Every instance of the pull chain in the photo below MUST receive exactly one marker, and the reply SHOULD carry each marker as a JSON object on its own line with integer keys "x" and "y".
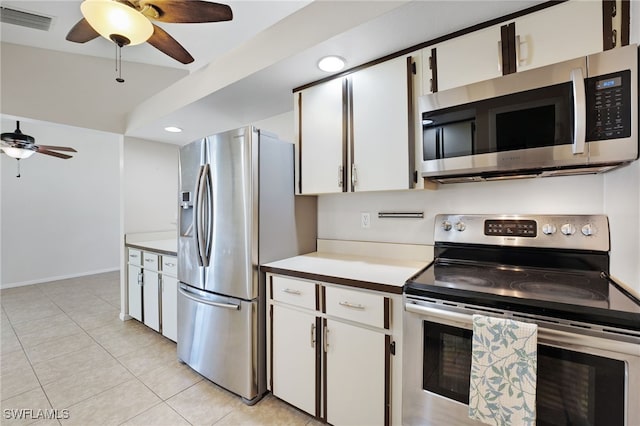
{"x": 18, "y": 160}
{"x": 119, "y": 79}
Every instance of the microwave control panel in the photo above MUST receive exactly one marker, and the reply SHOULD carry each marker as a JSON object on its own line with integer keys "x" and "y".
{"x": 609, "y": 106}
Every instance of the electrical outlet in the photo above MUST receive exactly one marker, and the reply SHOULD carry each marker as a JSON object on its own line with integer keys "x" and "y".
{"x": 365, "y": 220}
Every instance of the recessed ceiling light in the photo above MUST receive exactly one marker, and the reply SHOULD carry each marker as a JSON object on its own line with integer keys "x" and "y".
{"x": 173, "y": 129}
{"x": 331, "y": 63}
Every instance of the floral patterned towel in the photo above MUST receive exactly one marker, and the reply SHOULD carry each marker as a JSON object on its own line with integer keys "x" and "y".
{"x": 502, "y": 389}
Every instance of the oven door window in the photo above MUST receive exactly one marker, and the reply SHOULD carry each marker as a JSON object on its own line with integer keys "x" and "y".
{"x": 573, "y": 388}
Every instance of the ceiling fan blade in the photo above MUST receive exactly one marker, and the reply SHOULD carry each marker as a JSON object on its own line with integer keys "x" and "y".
{"x": 192, "y": 11}
{"x": 57, "y": 148}
{"x": 82, "y": 32}
{"x": 162, "y": 41}
{"x": 53, "y": 154}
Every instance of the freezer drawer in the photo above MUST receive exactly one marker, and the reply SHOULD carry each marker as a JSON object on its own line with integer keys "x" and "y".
{"x": 218, "y": 337}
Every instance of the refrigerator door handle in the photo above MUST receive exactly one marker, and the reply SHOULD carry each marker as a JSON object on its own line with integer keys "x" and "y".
{"x": 200, "y": 216}
{"x": 198, "y": 299}
{"x": 209, "y": 209}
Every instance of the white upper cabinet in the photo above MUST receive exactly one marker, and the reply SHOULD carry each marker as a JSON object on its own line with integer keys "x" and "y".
{"x": 463, "y": 60}
{"x": 352, "y": 133}
{"x": 565, "y": 31}
{"x": 380, "y": 153}
{"x": 321, "y": 138}
{"x": 561, "y": 32}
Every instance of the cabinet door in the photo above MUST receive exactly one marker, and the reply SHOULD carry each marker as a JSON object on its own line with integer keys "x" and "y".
{"x": 134, "y": 291}
{"x": 170, "y": 307}
{"x": 321, "y": 138}
{"x": 561, "y": 32}
{"x": 151, "y": 300}
{"x": 355, "y": 369}
{"x": 379, "y": 96}
{"x": 463, "y": 60}
{"x": 293, "y": 357}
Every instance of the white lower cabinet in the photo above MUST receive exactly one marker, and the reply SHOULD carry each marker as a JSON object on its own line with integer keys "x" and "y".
{"x": 151, "y": 299}
{"x": 332, "y": 357}
{"x": 293, "y": 367}
{"x": 152, "y": 290}
{"x": 170, "y": 307}
{"x": 355, "y": 371}
{"x": 134, "y": 291}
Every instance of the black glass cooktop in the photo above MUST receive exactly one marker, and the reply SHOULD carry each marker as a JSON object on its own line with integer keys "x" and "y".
{"x": 581, "y": 295}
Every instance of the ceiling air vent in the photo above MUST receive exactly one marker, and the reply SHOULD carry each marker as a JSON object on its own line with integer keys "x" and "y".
{"x": 24, "y": 19}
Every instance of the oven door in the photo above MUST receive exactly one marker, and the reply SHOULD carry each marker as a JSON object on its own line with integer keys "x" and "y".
{"x": 582, "y": 380}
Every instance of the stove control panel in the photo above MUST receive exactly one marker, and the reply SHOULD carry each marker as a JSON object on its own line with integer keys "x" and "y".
{"x": 582, "y": 232}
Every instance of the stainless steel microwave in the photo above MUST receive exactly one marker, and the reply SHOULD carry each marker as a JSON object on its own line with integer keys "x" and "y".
{"x": 573, "y": 117}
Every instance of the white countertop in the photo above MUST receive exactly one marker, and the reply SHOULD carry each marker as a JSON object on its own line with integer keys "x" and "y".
{"x": 391, "y": 272}
{"x": 169, "y": 246}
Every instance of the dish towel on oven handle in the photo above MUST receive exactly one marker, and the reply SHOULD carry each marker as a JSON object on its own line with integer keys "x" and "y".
{"x": 502, "y": 389}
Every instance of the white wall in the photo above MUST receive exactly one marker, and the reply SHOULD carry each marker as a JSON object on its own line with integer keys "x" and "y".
{"x": 62, "y": 217}
{"x": 150, "y": 185}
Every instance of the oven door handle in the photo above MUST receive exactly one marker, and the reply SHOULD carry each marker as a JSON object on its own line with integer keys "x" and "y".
{"x": 545, "y": 335}
{"x": 464, "y": 319}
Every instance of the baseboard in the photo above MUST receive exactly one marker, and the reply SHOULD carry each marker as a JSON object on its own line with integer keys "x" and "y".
{"x": 57, "y": 278}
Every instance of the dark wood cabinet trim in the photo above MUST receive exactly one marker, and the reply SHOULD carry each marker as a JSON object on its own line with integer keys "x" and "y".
{"x": 625, "y": 20}
{"x": 318, "y": 297}
{"x": 437, "y": 40}
{"x": 387, "y": 313}
{"x": 433, "y": 66}
{"x": 319, "y": 370}
{"x": 411, "y": 71}
{"x": 271, "y": 349}
{"x": 345, "y": 132}
{"x": 271, "y": 287}
{"x": 300, "y": 143}
{"x": 387, "y": 288}
{"x": 387, "y": 380}
{"x": 608, "y": 8}
{"x": 352, "y": 152}
{"x": 323, "y": 299}
{"x": 324, "y": 374}
{"x": 508, "y": 48}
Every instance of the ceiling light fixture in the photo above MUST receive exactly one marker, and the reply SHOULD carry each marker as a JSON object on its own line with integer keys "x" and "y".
{"x": 331, "y": 63}
{"x": 115, "y": 21}
{"x": 18, "y": 153}
{"x": 173, "y": 129}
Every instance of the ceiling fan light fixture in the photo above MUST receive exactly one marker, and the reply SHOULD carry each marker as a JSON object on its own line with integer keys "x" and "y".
{"x": 18, "y": 153}
{"x": 117, "y": 22}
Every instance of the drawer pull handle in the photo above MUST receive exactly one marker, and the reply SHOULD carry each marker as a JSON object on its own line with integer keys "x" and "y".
{"x": 148, "y": 259}
{"x": 133, "y": 255}
{"x": 171, "y": 265}
{"x": 352, "y": 305}
{"x": 291, "y": 291}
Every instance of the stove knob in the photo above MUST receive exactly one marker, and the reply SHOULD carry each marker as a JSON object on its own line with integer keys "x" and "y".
{"x": 549, "y": 229}
{"x": 568, "y": 229}
{"x": 460, "y": 226}
{"x": 446, "y": 225}
{"x": 588, "y": 230}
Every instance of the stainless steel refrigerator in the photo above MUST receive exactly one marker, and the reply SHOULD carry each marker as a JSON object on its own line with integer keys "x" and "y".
{"x": 237, "y": 210}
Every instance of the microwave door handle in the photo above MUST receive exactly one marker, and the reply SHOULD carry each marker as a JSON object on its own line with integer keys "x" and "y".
{"x": 579, "y": 111}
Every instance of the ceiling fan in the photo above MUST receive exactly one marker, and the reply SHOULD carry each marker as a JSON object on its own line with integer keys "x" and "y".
{"x": 128, "y": 22}
{"x": 18, "y": 145}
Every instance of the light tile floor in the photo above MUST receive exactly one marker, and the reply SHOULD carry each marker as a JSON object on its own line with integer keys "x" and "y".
{"x": 66, "y": 354}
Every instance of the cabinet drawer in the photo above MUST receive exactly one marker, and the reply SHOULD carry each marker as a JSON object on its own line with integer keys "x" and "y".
{"x": 135, "y": 257}
{"x": 294, "y": 292}
{"x": 150, "y": 261}
{"x": 170, "y": 266}
{"x": 367, "y": 308}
